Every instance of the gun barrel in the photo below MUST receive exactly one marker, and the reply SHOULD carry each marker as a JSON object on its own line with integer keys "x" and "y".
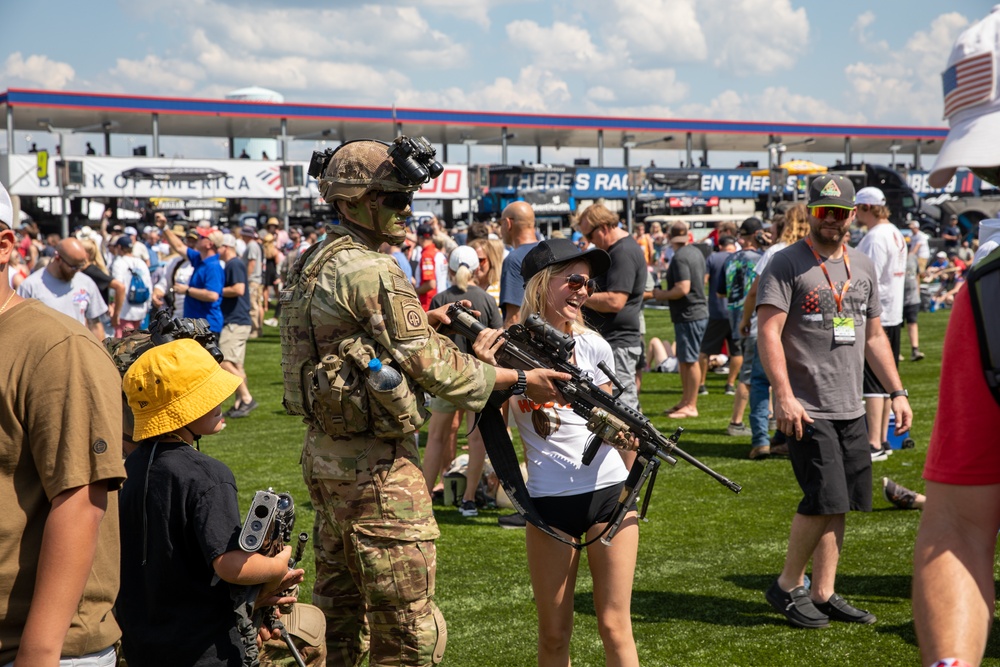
{"x": 721, "y": 479}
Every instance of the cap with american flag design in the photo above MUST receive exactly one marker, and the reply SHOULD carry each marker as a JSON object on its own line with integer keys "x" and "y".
{"x": 971, "y": 101}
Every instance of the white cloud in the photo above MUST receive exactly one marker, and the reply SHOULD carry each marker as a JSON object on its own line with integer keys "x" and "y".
{"x": 648, "y": 86}
{"x": 755, "y": 36}
{"x": 661, "y": 29}
{"x": 477, "y": 11}
{"x": 35, "y": 71}
{"x": 861, "y": 30}
{"x": 905, "y": 87}
{"x": 153, "y": 73}
{"x": 601, "y": 94}
{"x": 775, "y": 103}
{"x": 562, "y": 47}
{"x": 536, "y": 90}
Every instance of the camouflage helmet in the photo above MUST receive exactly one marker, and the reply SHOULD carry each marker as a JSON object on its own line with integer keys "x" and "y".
{"x": 359, "y": 167}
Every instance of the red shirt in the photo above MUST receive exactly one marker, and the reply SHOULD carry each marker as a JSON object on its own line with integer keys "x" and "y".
{"x": 965, "y": 445}
{"x": 427, "y": 271}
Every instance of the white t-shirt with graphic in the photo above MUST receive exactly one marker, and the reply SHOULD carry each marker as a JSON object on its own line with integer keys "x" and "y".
{"x": 886, "y": 247}
{"x": 555, "y": 436}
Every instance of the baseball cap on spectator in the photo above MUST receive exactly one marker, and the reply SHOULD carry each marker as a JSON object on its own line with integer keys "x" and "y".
{"x": 116, "y": 229}
{"x": 557, "y": 251}
{"x": 192, "y": 234}
{"x": 6, "y": 208}
{"x": 207, "y": 233}
{"x": 941, "y": 254}
{"x": 249, "y": 231}
{"x": 228, "y": 240}
{"x": 273, "y": 221}
{"x": 831, "y": 190}
{"x": 131, "y": 231}
{"x": 751, "y": 226}
{"x": 148, "y": 229}
{"x": 425, "y": 231}
{"x": 179, "y": 229}
{"x": 461, "y": 227}
{"x": 871, "y": 196}
{"x": 971, "y": 102}
{"x": 289, "y": 246}
{"x": 123, "y": 241}
{"x": 463, "y": 255}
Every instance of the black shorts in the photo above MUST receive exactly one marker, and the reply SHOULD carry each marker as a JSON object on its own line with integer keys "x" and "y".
{"x": 871, "y": 385}
{"x": 717, "y": 332}
{"x": 574, "y": 515}
{"x": 910, "y": 313}
{"x": 833, "y": 467}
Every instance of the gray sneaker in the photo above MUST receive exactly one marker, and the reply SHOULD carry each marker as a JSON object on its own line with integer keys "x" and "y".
{"x": 737, "y": 430}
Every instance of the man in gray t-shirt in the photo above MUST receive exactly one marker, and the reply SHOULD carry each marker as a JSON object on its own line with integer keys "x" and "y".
{"x": 253, "y": 257}
{"x": 819, "y": 318}
{"x": 61, "y": 286}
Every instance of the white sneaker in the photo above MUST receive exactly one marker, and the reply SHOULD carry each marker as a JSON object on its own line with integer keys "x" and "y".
{"x": 737, "y": 430}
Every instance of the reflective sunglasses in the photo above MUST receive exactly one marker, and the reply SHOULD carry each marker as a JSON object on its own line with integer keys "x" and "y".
{"x": 576, "y": 281}
{"x": 822, "y": 212}
{"x": 397, "y": 201}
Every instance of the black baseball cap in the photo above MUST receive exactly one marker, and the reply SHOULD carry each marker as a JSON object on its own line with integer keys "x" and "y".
{"x": 123, "y": 241}
{"x": 425, "y": 230}
{"x": 751, "y": 226}
{"x": 557, "y": 251}
{"x": 831, "y": 190}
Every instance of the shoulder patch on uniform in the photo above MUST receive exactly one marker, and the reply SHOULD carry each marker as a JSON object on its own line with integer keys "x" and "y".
{"x": 405, "y": 317}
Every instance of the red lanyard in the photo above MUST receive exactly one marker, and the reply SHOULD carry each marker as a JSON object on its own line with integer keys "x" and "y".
{"x": 838, "y": 298}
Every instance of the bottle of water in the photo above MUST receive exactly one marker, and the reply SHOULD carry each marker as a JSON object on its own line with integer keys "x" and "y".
{"x": 382, "y": 378}
{"x": 806, "y": 582}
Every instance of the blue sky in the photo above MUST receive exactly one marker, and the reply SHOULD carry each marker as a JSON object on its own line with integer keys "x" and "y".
{"x": 782, "y": 60}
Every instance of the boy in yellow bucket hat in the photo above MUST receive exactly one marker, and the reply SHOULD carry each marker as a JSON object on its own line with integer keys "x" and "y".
{"x": 180, "y": 519}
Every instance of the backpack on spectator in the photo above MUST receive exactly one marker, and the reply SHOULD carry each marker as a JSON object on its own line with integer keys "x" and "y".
{"x": 984, "y": 285}
{"x": 138, "y": 291}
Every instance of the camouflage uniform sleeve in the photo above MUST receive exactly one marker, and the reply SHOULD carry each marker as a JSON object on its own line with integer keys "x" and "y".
{"x": 372, "y": 288}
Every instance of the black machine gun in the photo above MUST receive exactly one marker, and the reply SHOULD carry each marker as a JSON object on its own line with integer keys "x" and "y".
{"x": 268, "y": 527}
{"x": 536, "y": 344}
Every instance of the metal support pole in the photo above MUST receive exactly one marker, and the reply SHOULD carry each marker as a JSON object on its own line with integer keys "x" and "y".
{"x": 447, "y": 205}
{"x": 107, "y": 142}
{"x": 286, "y": 213}
{"x": 600, "y": 148}
{"x": 156, "y": 135}
{"x": 10, "y": 130}
{"x": 628, "y": 190}
{"x": 503, "y": 145}
{"x": 284, "y": 140}
{"x": 468, "y": 169}
{"x": 848, "y": 156}
{"x": 689, "y": 147}
{"x": 538, "y": 154}
{"x": 916, "y": 157}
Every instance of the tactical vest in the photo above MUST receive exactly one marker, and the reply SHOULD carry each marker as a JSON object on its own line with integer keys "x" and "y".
{"x": 331, "y": 392}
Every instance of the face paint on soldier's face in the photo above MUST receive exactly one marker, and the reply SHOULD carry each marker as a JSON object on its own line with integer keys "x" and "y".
{"x": 392, "y": 223}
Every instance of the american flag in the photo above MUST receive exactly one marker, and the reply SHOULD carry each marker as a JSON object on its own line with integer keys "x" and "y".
{"x": 968, "y": 83}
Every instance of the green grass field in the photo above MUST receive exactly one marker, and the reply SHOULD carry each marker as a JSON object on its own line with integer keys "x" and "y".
{"x": 705, "y": 556}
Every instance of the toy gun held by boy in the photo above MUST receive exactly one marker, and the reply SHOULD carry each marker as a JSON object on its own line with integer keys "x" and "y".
{"x": 536, "y": 344}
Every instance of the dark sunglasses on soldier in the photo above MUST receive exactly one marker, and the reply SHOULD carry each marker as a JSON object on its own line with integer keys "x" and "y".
{"x": 397, "y": 201}
{"x": 576, "y": 281}
{"x": 822, "y": 212}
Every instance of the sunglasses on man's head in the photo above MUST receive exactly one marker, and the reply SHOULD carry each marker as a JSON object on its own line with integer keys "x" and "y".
{"x": 576, "y": 281}
{"x": 823, "y": 212}
{"x": 397, "y": 201}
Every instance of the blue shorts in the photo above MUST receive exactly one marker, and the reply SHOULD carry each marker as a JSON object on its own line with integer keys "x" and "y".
{"x": 689, "y": 335}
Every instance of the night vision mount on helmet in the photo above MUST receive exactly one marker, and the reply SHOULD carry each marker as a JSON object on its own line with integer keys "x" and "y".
{"x": 358, "y": 167}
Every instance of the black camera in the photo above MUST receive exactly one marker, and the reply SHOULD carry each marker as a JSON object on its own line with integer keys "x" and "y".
{"x": 318, "y": 162}
{"x": 163, "y": 328}
{"x": 414, "y": 160}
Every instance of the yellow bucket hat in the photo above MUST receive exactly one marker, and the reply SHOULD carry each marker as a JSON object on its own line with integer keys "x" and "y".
{"x": 172, "y": 385}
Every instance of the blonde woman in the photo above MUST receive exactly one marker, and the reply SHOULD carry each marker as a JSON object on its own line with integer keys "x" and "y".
{"x": 98, "y": 272}
{"x": 575, "y": 499}
{"x": 487, "y": 276}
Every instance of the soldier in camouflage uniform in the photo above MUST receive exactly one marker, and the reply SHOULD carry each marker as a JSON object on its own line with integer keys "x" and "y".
{"x": 346, "y": 303}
